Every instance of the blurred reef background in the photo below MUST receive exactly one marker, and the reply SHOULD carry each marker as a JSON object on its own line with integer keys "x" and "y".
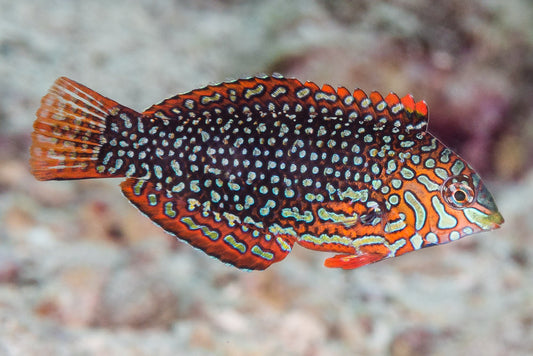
{"x": 83, "y": 273}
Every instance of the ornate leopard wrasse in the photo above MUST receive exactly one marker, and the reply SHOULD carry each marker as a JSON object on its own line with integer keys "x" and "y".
{"x": 243, "y": 170}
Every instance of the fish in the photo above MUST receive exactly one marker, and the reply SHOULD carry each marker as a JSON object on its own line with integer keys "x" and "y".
{"x": 245, "y": 169}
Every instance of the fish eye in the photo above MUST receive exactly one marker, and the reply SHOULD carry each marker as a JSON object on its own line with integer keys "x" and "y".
{"x": 458, "y": 191}
{"x": 459, "y": 195}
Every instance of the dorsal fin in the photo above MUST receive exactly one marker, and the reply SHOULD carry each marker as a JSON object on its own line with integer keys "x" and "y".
{"x": 273, "y": 93}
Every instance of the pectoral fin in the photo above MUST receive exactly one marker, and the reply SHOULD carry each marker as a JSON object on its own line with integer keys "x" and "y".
{"x": 352, "y": 261}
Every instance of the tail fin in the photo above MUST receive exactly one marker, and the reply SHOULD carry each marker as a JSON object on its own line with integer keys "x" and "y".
{"x": 69, "y": 132}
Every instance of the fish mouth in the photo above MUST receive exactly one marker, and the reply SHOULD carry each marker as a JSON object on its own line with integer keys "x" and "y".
{"x": 485, "y": 221}
{"x": 490, "y": 219}
{"x": 495, "y": 220}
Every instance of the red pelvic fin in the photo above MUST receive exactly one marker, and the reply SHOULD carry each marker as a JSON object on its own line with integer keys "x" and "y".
{"x": 68, "y": 132}
{"x": 222, "y": 236}
{"x": 352, "y": 261}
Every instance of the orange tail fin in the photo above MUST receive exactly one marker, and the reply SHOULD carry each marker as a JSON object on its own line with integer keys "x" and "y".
{"x": 69, "y": 132}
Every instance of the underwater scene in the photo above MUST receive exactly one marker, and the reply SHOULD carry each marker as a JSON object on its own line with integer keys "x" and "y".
{"x": 271, "y": 171}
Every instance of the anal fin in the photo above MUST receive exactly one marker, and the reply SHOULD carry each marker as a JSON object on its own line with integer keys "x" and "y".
{"x": 220, "y": 235}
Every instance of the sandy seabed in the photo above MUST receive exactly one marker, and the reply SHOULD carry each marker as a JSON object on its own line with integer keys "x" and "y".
{"x": 83, "y": 273}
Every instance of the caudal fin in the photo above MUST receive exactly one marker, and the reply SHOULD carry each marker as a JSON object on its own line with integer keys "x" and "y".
{"x": 68, "y": 132}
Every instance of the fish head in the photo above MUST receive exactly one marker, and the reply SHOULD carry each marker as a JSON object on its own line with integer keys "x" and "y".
{"x": 469, "y": 197}
{"x": 444, "y": 199}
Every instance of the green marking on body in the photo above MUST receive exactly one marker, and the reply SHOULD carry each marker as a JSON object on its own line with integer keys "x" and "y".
{"x": 326, "y": 239}
{"x": 407, "y": 173}
{"x": 213, "y": 235}
{"x": 429, "y": 163}
{"x": 193, "y": 204}
{"x": 394, "y": 199}
{"x": 283, "y": 244}
{"x": 169, "y": 210}
{"x": 195, "y": 186}
{"x": 303, "y": 93}
{"x": 347, "y": 221}
{"x": 137, "y": 188}
{"x": 152, "y": 199}
{"x": 430, "y": 185}
{"x": 457, "y": 167}
{"x": 418, "y": 209}
{"x": 446, "y": 221}
{"x": 278, "y": 91}
{"x": 294, "y": 213}
{"x": 234, "y": 186}
{"x": 210, "y": 99}
{"x": 277, "y": 229}
{"x": 325, "y": 96}
{"x": 441, "y": 173}
{"x": 368, "y": 240}
{"x": 416, "y": 241}
{"x": 359, "y": 195}
{"x": 249, "y": 220}
{"x": 396, "y": 183}
{"x": 330, "y": 188}
{"x": 254, "y": 91}
{"x": 231, "y": 218}
{"x": 479, "y": 218}
{"x": 395, "y": 246}
{"x": 395, "y": 225}
{"x": 239, "y": 246}
{"x": 445, "y": 155}
{"x": 256, "y": 250}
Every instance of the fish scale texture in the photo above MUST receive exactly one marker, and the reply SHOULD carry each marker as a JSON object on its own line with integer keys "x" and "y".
{"x": 244, "y": 170}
